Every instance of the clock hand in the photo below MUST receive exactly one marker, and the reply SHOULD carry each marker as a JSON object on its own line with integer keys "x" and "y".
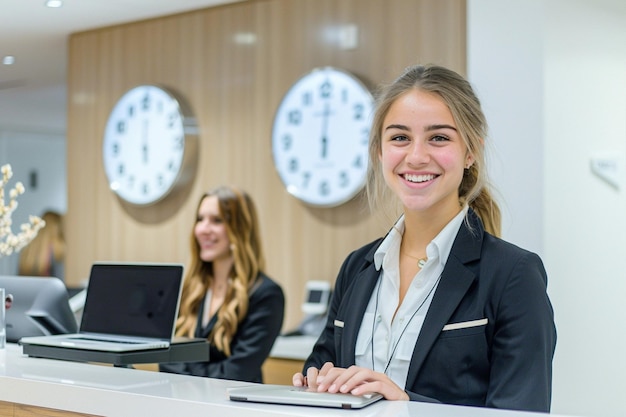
{"x": 325, "y": 115}
{"x": 144, "y": 136}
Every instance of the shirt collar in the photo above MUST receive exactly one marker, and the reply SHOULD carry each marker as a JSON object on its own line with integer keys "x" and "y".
{"x": 439, "y": 248}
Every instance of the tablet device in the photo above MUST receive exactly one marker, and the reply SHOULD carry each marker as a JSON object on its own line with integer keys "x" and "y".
{"x": 290, "y": 395}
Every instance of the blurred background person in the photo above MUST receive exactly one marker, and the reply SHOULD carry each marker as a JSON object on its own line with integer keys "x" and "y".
{"x": 227, "y": 298}
{"x": 45, "y": 255}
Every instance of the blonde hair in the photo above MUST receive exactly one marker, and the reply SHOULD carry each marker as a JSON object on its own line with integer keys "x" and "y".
{"x": 239, "y": 214}
{"x": 37, "y": 257}
{"x": 465, "y": 107}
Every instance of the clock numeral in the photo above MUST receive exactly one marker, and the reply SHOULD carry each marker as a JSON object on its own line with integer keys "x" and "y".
{"x": 172, "y": 166}
{"x": 171, "y": 120}
{"x": 145, "y": 103}
{"x": 115, "y": 148}
{"x": 344, "y": 180}
{"x": 358, "y": 162}
{"x": 160, "y": 180}
{"x": 121, "y": 127}
{"x": 131, "y": 181}
{"x": 131, "y": 111}
{"x": 294, "y": 117}
{"x": 179, "y": 142}
{"x": 293, "y": 165}
{"x": 287, "y": 142}
{"x": 145, "y": 188}
{"x": 324, "y": 188}
{"x": 359, "y": 110}
{"x": 306, "y": 177}
{"x": 344, "y": 95}
{"x": 366, "y": 136}
{"x": 326, "y": 89}
{"x": 121, "y": 170}
{"x": 307, "y": 98}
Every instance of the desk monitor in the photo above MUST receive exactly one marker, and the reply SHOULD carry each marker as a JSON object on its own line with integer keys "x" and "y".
{"x": 40, "y": 307}
{"x": 317, "y": 296}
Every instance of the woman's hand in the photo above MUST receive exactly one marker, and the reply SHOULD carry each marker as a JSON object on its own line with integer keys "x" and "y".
{"x": 312, "y": 376}
{"x": 353, "y": 380}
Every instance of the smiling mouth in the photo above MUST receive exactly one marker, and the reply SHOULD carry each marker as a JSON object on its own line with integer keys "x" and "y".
{"x": 419, "y": 178}
{"x": 207, "y": 244}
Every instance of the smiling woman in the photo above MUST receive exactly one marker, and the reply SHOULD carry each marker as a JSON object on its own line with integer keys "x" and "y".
{"x": 451, "y": 328}
{"x": 227, "y": 298}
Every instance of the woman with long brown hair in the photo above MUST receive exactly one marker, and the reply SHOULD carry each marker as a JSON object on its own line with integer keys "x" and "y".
{"x": 227, "y": 298}
{"x": 44, "y": 256}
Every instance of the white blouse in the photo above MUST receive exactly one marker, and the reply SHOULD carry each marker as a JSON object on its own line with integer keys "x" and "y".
{"x": 387, "y": 345}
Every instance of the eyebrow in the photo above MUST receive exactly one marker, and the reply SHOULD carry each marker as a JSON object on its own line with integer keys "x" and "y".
{"x": 442, "y": 126}
{"x": 401, "y": 127}
{"x": 428, "y": 128}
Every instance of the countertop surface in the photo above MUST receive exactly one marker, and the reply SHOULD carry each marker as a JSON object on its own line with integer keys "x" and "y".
{"x": 114, "y": 391}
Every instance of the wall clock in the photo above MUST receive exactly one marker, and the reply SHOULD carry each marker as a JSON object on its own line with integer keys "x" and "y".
{"x": 149, "y": 145}
{"x": 320, "y": 137}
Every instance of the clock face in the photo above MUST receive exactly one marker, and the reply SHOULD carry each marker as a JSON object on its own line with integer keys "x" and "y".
{"x": 320, "y": 137}
{"x": 144, "y": 145}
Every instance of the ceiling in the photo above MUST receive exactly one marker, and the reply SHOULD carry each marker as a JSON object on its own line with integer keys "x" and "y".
{"x": 33, "y": 89}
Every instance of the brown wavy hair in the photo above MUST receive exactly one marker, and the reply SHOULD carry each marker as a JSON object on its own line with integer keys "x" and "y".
{"x": 240, "y": 217}
{"x": 49, "y": 244}
{"x": 464, "y": 105}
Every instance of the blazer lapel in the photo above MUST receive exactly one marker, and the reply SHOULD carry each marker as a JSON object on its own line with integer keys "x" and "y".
{"x": 456, "y": 279}
{"x": 356, "y": 300}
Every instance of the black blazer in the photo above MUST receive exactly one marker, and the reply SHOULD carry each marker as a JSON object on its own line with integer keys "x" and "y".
{"x": 252, "y": 342}
{"x": 505, "y": 363}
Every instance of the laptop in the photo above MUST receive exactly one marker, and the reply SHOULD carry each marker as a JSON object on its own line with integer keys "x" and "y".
{"x": 290, "y": 395}
{"x": 128, "y": 307}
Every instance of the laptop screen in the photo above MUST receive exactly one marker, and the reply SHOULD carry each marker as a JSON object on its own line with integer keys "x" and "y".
{"x": 132, "y": 299}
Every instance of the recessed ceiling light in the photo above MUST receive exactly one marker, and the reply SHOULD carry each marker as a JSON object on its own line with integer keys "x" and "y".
{"x": 54, "y": 3}
{"x": 8, "y": 60}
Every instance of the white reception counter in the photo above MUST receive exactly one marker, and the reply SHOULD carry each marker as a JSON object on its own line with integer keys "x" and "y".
{"x": 121, "y": 392}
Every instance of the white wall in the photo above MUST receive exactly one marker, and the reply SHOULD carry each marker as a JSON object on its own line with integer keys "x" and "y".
{"x": 552, "y": 76}
{"x": 505, "y": 65}
{"x": 43, "y": 155}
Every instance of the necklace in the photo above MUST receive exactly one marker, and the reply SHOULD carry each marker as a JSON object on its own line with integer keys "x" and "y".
{"x": 420, "y": 261}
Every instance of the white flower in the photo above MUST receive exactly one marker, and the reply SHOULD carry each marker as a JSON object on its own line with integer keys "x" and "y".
{"x": 10, "y": 242}
{"x": 6, "y": 171}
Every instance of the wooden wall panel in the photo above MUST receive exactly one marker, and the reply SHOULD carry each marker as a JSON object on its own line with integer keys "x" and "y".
{"x": 234, "y": 90}
{"x": 9, "y": 409}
